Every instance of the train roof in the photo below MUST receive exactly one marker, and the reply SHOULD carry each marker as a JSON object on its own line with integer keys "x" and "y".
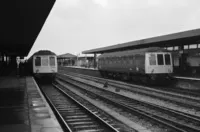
{"x": 44, "y": 52}
{"x": 131, "y": 52}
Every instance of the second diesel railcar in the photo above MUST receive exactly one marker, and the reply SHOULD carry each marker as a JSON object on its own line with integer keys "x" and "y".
{"x": 43, "y": 64}
{"x": 149, "y": 64}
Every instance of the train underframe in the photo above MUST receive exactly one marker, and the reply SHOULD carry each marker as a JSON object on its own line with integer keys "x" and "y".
{"x": 138, "y": 77}
{"x": 45, "y": 76}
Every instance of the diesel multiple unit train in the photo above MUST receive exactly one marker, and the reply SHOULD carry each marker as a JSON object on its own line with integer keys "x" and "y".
{"x": 147, "y": 65}
{"x": 43, "y": 64}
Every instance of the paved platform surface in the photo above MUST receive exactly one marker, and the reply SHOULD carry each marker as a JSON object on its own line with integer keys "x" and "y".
{"x": 23, "y": 108}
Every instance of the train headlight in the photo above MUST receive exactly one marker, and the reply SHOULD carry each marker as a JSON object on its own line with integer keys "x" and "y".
{"x": 37, "y": 71}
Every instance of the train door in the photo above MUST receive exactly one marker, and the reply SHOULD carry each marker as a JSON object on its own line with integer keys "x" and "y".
{"x": 150, "y": 62}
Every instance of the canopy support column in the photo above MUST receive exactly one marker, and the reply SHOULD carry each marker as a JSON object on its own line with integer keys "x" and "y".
{"x": 95, "y": 63}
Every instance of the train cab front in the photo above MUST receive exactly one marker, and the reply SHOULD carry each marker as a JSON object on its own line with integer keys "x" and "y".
{"x": 159, "y": 66}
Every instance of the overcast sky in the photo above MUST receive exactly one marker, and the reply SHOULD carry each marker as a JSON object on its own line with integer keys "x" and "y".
{"x": 77, "y": 25}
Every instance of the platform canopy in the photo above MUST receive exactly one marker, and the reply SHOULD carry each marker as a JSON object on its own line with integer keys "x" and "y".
{"x": 21, "y": 22}
{"x": 175, "y": 39}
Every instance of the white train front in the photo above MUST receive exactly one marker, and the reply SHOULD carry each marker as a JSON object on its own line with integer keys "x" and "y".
{"x": 44, "y": 63}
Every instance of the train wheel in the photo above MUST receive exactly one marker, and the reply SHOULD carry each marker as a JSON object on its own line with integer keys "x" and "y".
{"x": 135, "y": 78}
{"x": 124, "y": 76}
{"x": 152, "y": 79}
{"x": 144, "y": 79}
{"x": 103, "y": 73}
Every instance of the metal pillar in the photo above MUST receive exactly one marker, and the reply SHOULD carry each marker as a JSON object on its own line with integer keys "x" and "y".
{"x": 182, "y": 59}
{"x": 95, "y": 63}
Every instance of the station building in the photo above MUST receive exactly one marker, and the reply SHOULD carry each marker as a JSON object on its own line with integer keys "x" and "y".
{"x": 73, "y": 60}
{"x": 66, "y": 59}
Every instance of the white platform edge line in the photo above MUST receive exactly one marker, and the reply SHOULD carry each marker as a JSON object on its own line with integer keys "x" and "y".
{"x": 189, "y": 78}
{"x": 47, "y": 105}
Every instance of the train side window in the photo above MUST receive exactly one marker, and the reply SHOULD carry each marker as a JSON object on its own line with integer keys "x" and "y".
{"x": 130, "y": 59}
{"x": 124, "y": 59}
{"x": 160, "y": 59}
{"x": 38, "y": 61}
{"x": 52, "y": 61}
{"x": 102, "y": 61}
{"x": 118, "y": 60}
{"x": 167, "y": 59}
{"x": 110, "y": 60}
{"x": 106, "y": 61}
{"x": 114, "y": 59}
{"x": 152, "y": 59}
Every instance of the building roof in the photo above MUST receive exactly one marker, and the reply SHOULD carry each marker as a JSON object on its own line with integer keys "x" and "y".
{"x": 180, "y": 38}
{"x": 67, "y": 55}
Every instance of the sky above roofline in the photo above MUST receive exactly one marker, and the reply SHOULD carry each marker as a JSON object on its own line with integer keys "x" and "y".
{"x": 74, "y": 26}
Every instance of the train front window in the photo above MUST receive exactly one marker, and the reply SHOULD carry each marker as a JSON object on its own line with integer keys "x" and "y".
{"x": 160, "y": 59}
{"x": 167, "y": 59}
{"x": 45, "y": 61}
{"x": 38, "y": 61}
{"x": 52, "y": 61}
{"x": 152, "y": 59}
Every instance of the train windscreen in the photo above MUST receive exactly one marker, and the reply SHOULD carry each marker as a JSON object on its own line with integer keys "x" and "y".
{"x": 52, "y": 61}
{"x": 160, "y": 59}
{"x": 45, "y": 61}
{"x": 167, "y": 59}
{"x": 38, "y": 61}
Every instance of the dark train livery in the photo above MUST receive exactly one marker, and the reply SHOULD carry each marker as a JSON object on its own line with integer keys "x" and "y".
{"x": 43, "y": 64}
{"x": 149, "y": 64}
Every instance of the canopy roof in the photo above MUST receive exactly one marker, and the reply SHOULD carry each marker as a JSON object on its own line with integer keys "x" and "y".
{"x": 175, "y": 39}
{"x": 21, "y": 22}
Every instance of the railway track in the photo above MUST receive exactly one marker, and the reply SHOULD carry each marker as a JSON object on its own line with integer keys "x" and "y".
{"x": 185, "y": 101}
{"x": 74, "y": 116}
{"x": 167, "y": 89}
{"x": 177, "y": 121}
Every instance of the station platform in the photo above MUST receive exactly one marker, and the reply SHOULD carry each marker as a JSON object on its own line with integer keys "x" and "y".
{"x": 23, "y": 108}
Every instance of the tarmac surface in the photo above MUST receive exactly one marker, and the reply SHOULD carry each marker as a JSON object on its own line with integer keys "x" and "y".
{"x": 23, "y": 108}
